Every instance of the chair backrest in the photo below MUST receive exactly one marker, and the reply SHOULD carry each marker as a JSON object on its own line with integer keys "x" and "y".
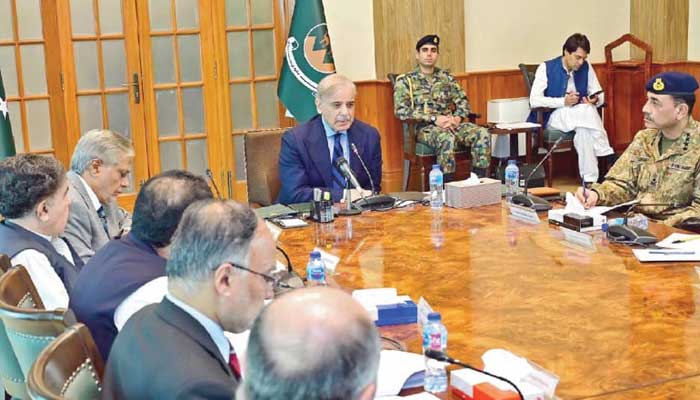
{"x": 28, "y": 325}
{"x": 69, "y": 368}
{"x": 528, "y": 71}
{"x": 11, "y": 375}
{"x": 5, "y": 263}
{"x": 262, "y": 151}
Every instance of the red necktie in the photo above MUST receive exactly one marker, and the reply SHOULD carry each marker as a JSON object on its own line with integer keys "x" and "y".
{"x": 233, "y": 363}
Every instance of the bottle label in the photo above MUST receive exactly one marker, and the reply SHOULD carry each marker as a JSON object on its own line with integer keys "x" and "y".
{"x": 436, "y": 341}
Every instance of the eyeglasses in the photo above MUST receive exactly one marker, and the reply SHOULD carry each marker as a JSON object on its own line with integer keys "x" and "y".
{"x": 275, "y": 282}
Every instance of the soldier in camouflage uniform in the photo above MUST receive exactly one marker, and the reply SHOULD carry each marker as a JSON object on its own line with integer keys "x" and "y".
{"x": 662, "y": 164}
{"x": 434, "y": 99}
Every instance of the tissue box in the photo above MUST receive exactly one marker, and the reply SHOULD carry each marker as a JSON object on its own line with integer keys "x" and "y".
{"x": 472, "y": 385}
{"x": 461, "y": 195}
{"x": 397, "y": 314}
{"x": 508, "y": 110}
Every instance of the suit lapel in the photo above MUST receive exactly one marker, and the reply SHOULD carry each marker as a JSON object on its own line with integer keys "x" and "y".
{"x": 79, "y": 187}
{"x": 183, "y": 321}
{"x": 317, "y": 146}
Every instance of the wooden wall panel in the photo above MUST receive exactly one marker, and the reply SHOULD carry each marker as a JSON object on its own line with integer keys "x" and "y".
{"x": 664, "y": 25}
{"x": 398, "y": 24}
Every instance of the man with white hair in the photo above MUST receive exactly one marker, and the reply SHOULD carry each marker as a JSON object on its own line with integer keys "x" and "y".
{"x": 99, "y": 172}
{"x": 310, "y": 150}
{"x": 284, "y": 361}
{"x": 218, "y": 280}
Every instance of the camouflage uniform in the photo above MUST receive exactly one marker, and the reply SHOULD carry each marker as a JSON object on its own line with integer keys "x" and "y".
{"x": 642, "y": 173}
{"x": 418, "y": 97}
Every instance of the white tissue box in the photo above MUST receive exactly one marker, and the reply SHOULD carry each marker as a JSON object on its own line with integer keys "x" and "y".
{"x": 508, "y": 110}
{"x": 461, "y": 194}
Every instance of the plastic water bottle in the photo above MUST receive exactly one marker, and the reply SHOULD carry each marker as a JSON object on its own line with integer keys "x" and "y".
{"x": 315, "y": 270}
{"x": 638, "y": 220}
{"x": 435, "y": 338}
{"x": 436, "y": 187}
{"x": 512, "y": 176}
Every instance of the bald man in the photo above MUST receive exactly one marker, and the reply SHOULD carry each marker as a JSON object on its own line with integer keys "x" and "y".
{"x": 284, "y": 360}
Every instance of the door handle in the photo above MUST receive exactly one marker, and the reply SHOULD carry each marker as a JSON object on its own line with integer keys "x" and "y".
{"x": 135, "y": 85}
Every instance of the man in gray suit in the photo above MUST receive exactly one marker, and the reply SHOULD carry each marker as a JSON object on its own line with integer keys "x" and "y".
{"x": 100, "y": 169}
{"x": 218, "y": 280}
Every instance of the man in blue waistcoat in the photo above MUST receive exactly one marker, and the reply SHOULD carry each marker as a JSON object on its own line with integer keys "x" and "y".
{"x": 570, "y": 86}
{"x": 129, "y": 273}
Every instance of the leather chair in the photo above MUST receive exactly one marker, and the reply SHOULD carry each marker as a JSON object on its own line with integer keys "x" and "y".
{"x": 416, "y": 152}
{"x": 5, "y": 263}
{"x": 262, "y": 151}
{"x": 70, "y": 368}
{"x": 11, "y": 374}
{"x": 29, "y": 327}
{"x": 546, "y": 137}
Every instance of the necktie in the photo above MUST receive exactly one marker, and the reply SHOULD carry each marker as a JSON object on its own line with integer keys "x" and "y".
{"x": 103, "y": 217}
{"x": 234, "y": 364}
{"x": 338, "y": 179}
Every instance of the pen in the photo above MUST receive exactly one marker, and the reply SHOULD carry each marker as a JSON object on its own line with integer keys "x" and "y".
{"x": 583, "y": 186}
{"x": 690, "y": 239}
{"x": 672, "y": 252}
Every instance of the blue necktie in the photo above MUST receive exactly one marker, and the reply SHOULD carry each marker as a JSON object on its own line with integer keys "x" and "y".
{"x": 338, "y": 178}
{"x": 103, "y": 218}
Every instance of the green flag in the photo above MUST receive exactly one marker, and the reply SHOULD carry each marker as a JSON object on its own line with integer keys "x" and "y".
{"x": 307, "y": 59}
{"x": 7, "y": 142}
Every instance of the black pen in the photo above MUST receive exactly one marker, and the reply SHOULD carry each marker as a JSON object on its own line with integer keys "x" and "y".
{"x": 672, "y": 252}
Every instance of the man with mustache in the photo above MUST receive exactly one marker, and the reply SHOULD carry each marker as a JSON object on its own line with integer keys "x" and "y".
{"x": 309, "y": 150}
{"x": 569, "y": 85}
{"x": 662, "y": 164}
{"x": 434, "y": 99}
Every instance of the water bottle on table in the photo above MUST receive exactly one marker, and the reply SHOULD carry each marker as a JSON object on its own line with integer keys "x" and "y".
{"x": 436, "y": 187}
{"x": 512, "y": 174}
{"x": 435, "y": 338}
{"x": 315, "y": 270}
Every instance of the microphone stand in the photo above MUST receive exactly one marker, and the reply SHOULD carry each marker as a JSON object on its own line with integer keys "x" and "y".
{"x": 531, "y": 201}
{"x": 348, "y": 210}
{"x": 375, "y": 201}
{"x": 440, "y": 356}
{"x": 633, "y": 234}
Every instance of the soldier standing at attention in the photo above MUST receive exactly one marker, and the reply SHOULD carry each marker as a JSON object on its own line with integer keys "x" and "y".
{"x": 433, "y": 98}
{"x": 662, "y": 164}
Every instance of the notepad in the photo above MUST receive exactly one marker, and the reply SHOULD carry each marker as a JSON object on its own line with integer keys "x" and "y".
{"x": 666, "y": 255}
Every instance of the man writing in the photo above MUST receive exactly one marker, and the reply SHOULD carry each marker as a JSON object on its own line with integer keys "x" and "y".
{"x": 433, "y": 98}
{"x": 569, "y": 85}
{"x": 310, "y": 150}
{"x": 662, "y": 164}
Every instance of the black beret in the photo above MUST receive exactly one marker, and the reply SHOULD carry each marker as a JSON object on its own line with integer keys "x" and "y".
{"x": 428, "y": 39}
{"x": 672, "y": 83}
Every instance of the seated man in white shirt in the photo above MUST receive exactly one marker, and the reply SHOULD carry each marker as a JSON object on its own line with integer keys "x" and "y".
{"x": 34, "y": 202}
{"x": 569, "y": 85}
{"x": 128, "y": 274}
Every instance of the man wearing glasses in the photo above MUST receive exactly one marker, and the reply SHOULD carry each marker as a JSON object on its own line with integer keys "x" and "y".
{"x": 218, "y": 279}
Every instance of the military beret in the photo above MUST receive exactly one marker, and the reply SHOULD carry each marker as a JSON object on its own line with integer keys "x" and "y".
{"x": 428, "y": 39}
{"x": 673, "y": 83}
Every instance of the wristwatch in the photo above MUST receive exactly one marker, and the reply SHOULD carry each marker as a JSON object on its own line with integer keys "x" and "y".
{"x": 432, "y": 119}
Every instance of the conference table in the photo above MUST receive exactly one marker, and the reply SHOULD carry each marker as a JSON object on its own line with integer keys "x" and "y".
{"x": 609, "y": 326}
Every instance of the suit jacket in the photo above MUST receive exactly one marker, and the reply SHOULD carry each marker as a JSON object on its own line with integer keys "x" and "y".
{"x": 84, "y": 229}
{"x": 164, "y": 353}
{"x": 305, "y": 162}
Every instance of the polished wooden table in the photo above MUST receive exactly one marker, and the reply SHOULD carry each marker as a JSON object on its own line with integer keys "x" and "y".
{"x": 607, "y": 325}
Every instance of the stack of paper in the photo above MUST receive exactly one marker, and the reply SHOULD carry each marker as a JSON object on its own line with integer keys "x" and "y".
{"x": 676, "y": 247}
{"x": 398, "y": 370}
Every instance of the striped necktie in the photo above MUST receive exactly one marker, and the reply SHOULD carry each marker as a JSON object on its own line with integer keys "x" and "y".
{"x": 338, "y": 178}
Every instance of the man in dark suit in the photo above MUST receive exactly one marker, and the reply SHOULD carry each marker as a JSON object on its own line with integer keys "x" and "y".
{"x": 218, "y": 279}
{"x": 309, "y": 150}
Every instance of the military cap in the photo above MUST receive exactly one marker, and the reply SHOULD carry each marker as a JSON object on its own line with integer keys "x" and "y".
{"x": 672, "y": 83}
{"x": 428, "y": 39}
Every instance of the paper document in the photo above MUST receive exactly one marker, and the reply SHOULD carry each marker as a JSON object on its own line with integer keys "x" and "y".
{"x": 417, "y": 396}
{"x": 395, "y": 367}
{"x": 681, "y": 241}
{"x": 575, "y": 206}
{"x": 666, "y": 255}
{"x": 517, "y": 125}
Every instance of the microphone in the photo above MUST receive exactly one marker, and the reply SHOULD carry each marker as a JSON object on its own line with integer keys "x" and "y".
{"x": 440, "y": 356}
{"x": 213, "y": 183}
{"x": 528, "y": 200}
{"x": 631, "y": 234}
{"x": 289, "y": 279}
{"x": 364, "y": 166}
{"x": 342, "y": 165}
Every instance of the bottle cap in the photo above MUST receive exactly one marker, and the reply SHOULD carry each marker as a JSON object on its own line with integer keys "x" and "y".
{"x": 434, "y": 316}
{"x": 512, "y": 162}
{"x": 436, "y": 166}
{"x": 315, "y": 254}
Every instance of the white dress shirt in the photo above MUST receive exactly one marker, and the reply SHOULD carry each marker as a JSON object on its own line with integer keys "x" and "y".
{"x": 91, "y": 194}
{"x": 49, "y": 286}
{"x": 538, "y": 99}
{"x": 150, "y": 293}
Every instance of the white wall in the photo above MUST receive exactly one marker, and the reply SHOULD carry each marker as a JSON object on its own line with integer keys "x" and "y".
{"x": 351, "y": 28}
{"x": 694, "y": 31}
{"x": 500, "y": 34}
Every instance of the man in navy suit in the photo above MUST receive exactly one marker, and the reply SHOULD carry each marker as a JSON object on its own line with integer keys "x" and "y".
{"x": 309, "y": 150}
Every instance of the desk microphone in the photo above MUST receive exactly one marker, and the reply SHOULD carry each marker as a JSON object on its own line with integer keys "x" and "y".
{"x": 531, "y": 201}
{"x": 213, "y": 183}
{"x": 375, "y": 201}
{"x": 288, "y": 279}
{"x": 342, "y": 165}
{"x": 632, "y": 234}
{"x": 440, "y": 356}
